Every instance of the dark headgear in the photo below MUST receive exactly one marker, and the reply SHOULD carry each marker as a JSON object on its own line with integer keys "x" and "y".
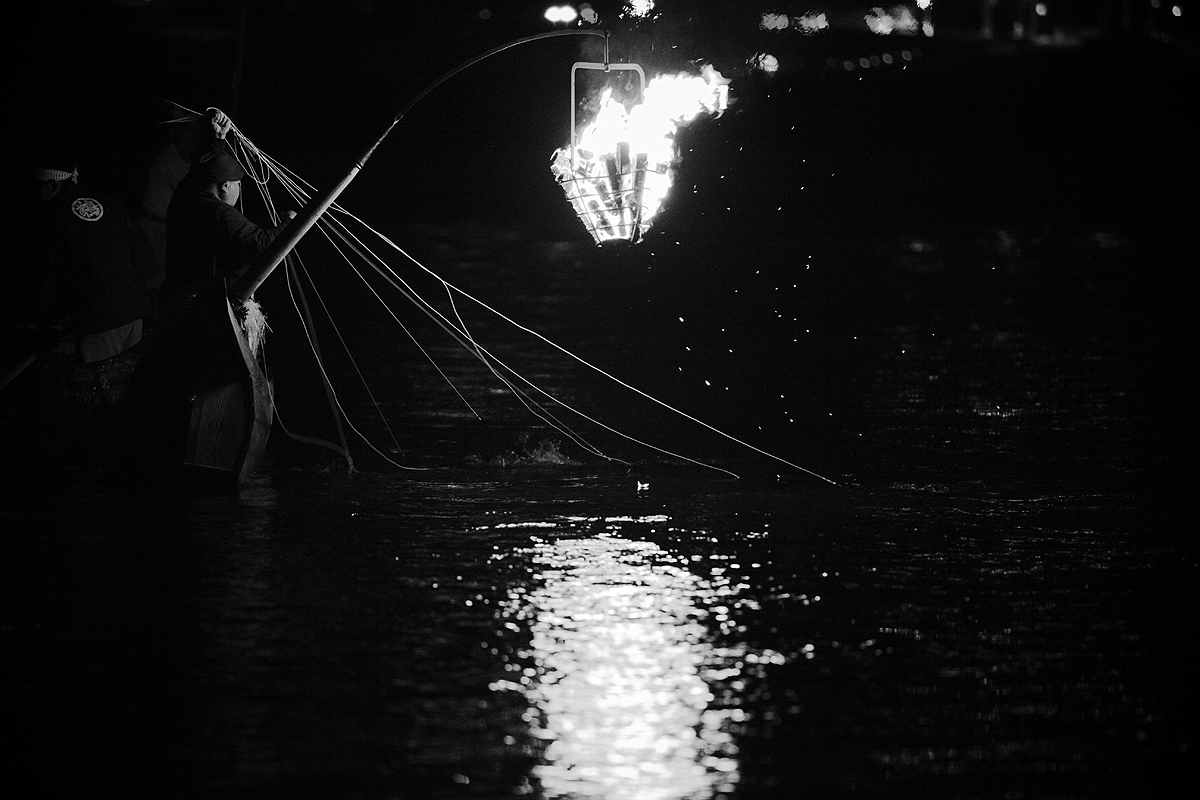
{"x": 217, "y": 168}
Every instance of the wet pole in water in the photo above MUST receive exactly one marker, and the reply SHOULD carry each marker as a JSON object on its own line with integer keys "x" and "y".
{"x": 245, "y": 287}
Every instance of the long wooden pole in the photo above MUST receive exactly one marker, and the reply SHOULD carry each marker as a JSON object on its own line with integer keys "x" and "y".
{"x": 244, "y": 288}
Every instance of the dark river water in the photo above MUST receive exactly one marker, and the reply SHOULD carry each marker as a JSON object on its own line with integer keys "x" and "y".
{"x": 994, "y": 601}
{"x": 989, "y": 595}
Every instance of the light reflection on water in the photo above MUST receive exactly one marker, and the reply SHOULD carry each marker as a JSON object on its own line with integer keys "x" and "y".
{"x": 1008, "y": 573}
{"x": 620, "y": 671}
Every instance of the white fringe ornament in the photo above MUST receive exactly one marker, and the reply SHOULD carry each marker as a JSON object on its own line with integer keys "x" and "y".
{"x": 254, "y": 323}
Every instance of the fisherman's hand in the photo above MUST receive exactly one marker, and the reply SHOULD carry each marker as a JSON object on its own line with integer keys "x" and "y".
{"x": 221, "y": 123}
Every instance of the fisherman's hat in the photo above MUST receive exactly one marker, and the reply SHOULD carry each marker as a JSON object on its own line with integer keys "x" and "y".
{"x": 217, "y": 167}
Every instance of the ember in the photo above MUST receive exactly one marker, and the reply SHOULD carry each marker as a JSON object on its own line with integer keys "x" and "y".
{"x": 617, "y": 172}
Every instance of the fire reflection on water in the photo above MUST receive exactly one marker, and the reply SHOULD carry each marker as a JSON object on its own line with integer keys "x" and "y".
{"x": 620, "y": 672}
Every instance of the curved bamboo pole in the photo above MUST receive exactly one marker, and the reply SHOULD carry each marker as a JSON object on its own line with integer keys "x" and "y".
{"x": 245, "y": 286}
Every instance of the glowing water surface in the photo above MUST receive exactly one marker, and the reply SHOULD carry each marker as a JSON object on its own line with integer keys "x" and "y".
{"x": 994, "y": 602}
{"x": 620, "y": 689}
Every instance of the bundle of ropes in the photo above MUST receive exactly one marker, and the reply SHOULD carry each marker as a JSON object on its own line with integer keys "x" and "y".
{"x": 360, "y": 247}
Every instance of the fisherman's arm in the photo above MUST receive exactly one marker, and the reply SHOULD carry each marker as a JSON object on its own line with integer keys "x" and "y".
{"x": 215, "y": 141}
{"x": 245, "y": 240}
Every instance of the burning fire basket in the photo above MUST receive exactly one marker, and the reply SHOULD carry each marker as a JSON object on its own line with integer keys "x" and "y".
{"x": 605, "y": 188}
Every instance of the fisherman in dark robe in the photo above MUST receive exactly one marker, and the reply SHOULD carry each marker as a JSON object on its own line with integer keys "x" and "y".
{"x": 207, "y": 237}
{"x": 92, "y": 266}
{"x": 78, "y": 302}
{"x": 210, "y": 244}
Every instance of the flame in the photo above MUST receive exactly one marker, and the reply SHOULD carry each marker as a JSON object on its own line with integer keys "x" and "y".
{"x": 621, "y": 168}
{"x": 640, "y": 8}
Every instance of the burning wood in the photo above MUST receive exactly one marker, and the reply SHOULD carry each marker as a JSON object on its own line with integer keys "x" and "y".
{"x": 607, "y": 190}
{"x": 618, "y": 173}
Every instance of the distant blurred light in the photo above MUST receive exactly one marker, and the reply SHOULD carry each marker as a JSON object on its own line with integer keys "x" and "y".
{"x": 810, "y": 22}
{"x": 485, "y": 13}
{"x": 772, "y": 21}
{"x": 884, "y": 21}
{"x": 1040, "y": 8}
{"x": 924, "y": 4}
{"x": 878, "y": 22}
{"x": 563, "y": 14}
{"x": 588, "y": 14}
{"x": 766, "y": 63}
{"x": 1176, "y": 11}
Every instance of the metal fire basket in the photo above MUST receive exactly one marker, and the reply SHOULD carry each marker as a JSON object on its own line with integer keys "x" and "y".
{"x": 604, "y": 189}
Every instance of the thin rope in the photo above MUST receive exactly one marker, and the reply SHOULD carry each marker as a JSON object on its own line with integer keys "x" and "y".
{"x": 464, "y": 339}
{"x": 329, "y": 394}
{"x": 254, "y": 157}
{"x": 597, "y": 369}
{"x": 260, "y": 168}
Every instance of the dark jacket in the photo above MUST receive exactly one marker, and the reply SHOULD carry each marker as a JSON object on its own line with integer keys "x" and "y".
{"x": 93, "y": 263}
{"x": 205, "y": 238}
